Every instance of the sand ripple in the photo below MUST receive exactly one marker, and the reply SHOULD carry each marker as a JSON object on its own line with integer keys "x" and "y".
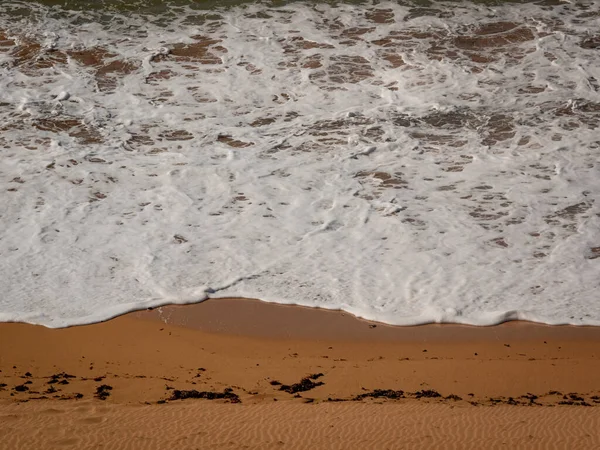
{"x": 296, "y": 427}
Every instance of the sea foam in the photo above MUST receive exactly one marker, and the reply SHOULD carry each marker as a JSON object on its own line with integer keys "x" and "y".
{"x": 405, "y": 164}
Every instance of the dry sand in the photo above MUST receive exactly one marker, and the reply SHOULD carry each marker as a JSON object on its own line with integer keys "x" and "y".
{"x": 119, "y": 384}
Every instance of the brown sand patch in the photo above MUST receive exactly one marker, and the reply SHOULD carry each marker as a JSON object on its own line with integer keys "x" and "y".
{"x": 30, "y": 56}
{"x": 452, "y": 120}
{"x": 139, "y": 140}
{"x": 384, "y": 179}
{"x": 84, "y": 133}
{"x": 312, "y": 62}
{"x": 176, "y": 135}
{"x": 225, "y": 139}
{"x": 156, "y": 77}
{"x": 355, "y": 33}
{"x": 197, "y": 52}
{"x": 495, "y": 28}
{"x": 499, "y": 127}
{"x": 591, "y": 43}
{"x": 532, "y": 89}
{"x": 439, "y": 139}
{"x": 488, "y": 36}
{"x": 594, "y": 253}
{"x": 298, "y": 43}
{"x": 339, "y": 126}
{"x": 5, "y": 42}
{"x": 250, "y": 68}
{"x": 394, "y": 59}
{"x": 296, "y": 46}
{"x": 380, "y": 16}
{"x": 346, "y": 69}
{"x": 263, "y": 122}
{"x": 107, "y": 66}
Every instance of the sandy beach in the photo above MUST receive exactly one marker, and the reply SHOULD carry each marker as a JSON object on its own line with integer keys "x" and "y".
{"x": 233, "y": 373}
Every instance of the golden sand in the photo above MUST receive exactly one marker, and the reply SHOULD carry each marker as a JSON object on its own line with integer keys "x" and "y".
{"x": 291, "y": 377}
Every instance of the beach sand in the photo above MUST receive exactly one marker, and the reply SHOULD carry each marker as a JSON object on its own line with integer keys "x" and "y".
{"x": 273, "y": 376}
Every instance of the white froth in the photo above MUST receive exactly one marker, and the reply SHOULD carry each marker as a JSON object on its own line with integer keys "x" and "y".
{"x": 404, "y": 165}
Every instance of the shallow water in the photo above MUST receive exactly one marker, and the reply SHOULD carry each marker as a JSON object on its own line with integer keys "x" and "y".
{"x": 405, "y": 163}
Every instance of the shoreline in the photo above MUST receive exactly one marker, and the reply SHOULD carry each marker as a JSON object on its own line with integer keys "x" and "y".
{"x": 221, "y": 305}
{"x": 248, "y": 358}
{"x": 257, "y": 318}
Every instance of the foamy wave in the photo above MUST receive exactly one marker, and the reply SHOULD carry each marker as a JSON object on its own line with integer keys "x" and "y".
{"x": 404, "y": 164}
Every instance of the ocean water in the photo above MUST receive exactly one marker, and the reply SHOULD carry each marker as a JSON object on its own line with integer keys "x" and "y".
{"x": 407, "y": 162}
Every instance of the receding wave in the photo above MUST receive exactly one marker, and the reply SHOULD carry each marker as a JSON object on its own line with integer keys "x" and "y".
{"x": 406, "y": 164}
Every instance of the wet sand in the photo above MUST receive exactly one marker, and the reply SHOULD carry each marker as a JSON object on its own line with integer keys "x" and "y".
{"x": 230, "y": 373}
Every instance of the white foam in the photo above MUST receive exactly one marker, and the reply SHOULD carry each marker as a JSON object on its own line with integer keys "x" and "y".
{"x": 458, "y": 186}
